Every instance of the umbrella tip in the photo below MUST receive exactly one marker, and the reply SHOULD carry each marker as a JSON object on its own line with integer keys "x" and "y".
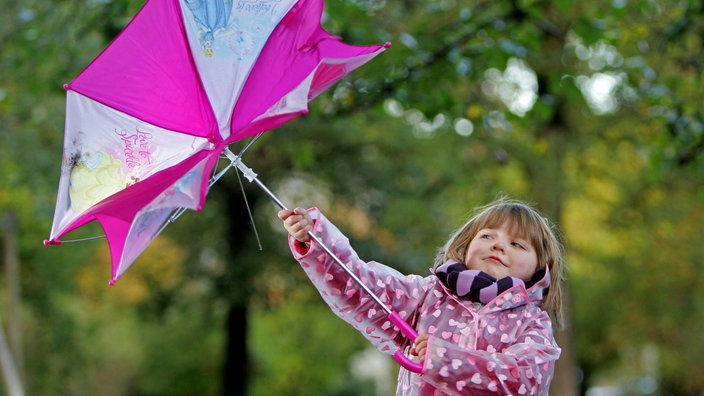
{"x": 112, "y": 282}
{"x": 48, "y": 242}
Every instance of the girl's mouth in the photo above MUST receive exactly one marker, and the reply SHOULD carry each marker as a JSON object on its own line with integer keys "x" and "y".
{"x": 496, "y": 260}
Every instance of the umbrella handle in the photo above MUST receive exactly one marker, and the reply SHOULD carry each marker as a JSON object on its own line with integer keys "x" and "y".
{"x": 411, "y": 334}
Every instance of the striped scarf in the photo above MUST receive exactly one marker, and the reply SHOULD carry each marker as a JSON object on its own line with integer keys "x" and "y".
{"x": 475, "y": 285}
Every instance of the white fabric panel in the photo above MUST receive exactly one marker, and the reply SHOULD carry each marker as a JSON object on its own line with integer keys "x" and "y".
{"x": 226, "y": 38}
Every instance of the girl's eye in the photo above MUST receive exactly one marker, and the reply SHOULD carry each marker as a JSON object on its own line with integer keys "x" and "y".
{"x": 518, "y": 245}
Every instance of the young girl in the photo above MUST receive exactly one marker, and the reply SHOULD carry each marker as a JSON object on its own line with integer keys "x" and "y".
{"x": 482, "y": 316}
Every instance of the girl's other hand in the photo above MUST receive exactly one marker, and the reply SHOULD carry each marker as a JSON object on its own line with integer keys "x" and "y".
{"x": 420, "y": 347}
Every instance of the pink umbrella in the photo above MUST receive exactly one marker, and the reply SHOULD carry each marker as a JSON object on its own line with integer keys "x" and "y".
{"x": 148, "y": 119}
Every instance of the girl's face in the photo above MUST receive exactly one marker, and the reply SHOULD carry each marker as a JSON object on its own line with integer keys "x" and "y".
{"x": 500, "y": 253}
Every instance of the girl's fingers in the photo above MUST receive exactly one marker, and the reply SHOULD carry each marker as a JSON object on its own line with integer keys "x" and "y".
{"x": 297, "y": 222}
{"x": 284, "y": 214}
{"x": 421, "y": 346}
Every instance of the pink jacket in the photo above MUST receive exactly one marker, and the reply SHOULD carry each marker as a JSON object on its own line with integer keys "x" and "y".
{"x": 505, "y": 347}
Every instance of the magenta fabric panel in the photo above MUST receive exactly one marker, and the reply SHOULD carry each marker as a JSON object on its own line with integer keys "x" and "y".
{"x": 295, "y": 49}
{"x": 148, "y": 72}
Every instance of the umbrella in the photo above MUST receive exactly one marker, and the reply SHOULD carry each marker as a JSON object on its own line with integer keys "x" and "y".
{"x": 148, "y": 119}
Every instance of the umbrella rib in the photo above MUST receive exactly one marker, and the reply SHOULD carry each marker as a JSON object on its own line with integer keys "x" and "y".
{"x": 83, "y": 239}
{"x": 251, "y": 142}
{"x": 249, "y": 211}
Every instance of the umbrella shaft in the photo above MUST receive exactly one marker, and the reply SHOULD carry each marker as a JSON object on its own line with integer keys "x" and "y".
{"x": 270, "y": 193}
{"x": 351, "y": 274}
{"x": 252, "y": 177}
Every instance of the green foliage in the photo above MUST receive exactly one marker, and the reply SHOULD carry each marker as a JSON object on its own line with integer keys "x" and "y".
{"x": 381, "y": 155}
{"x": 297, "y": 353}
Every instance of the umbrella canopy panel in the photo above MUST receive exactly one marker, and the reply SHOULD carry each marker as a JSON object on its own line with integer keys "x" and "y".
{"x": 225, "y": 42}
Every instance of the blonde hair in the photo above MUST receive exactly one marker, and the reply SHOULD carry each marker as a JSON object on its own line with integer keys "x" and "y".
{"x": 530, "y": 225}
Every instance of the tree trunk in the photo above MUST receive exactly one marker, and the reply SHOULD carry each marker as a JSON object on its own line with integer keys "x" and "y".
{"x": 565, "y": 381}
{"x": 547, "y": 176}
{"x": 235, "y": 370}
{"x": 236, "y": 288}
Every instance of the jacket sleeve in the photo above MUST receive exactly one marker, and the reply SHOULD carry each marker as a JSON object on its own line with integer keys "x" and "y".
{"x": 347, "y": 298}
{"x": 525, "y": 367}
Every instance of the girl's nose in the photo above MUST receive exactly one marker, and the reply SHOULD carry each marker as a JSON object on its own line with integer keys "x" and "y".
{"x": 498, "y": 246}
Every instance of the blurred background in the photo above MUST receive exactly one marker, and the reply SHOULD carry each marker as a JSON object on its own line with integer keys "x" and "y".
{"x": 590, "y": 110}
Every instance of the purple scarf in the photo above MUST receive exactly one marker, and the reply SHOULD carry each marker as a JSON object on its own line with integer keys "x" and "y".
{"x": 475, "y": 285}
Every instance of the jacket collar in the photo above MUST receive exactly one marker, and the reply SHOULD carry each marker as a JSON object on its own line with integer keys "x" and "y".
{"x": 519, "y": 295}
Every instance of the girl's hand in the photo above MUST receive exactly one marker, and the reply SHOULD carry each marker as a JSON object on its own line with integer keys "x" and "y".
{"x": 297, "y": 222}
{"x": 420, "y": 347}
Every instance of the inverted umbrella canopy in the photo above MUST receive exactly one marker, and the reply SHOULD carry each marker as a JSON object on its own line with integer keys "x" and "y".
{"x": 148, "y": 119}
